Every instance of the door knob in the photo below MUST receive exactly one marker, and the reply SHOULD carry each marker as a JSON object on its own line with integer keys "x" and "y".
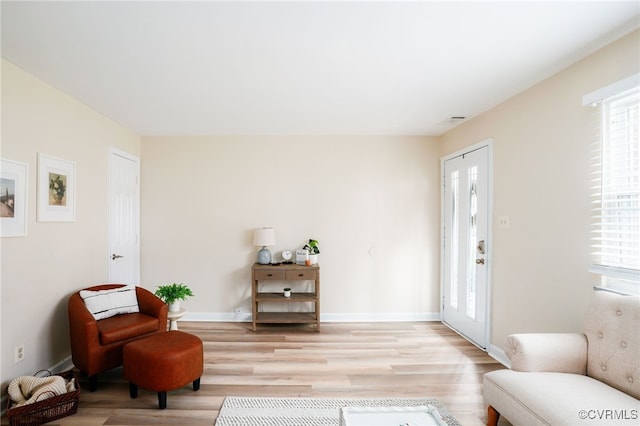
{"x": 116, "y": 256}
{"x": 480, "y": 261}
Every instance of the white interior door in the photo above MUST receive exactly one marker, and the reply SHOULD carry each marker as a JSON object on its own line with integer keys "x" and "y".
{"x": 465, "y": 268}
{"x": 124, "y": 218}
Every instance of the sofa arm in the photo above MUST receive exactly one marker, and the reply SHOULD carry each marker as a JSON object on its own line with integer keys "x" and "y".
{"x": 552, "y": 352}
{"x": 151, "y": 304}
{"x": 83, "y": 332}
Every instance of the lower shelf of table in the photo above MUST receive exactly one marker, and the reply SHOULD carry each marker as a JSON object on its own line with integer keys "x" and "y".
{"x": 286, "y": 318}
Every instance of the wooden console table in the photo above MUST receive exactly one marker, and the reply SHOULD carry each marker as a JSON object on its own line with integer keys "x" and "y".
{"x": 285, "y": 273}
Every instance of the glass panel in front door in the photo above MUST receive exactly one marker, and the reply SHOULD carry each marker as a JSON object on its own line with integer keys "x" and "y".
{"x": 471, "y": 242}
{"x": 455, "y": 229}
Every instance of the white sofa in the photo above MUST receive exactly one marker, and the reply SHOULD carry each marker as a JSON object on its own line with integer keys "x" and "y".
{"x": 573, "y": 379}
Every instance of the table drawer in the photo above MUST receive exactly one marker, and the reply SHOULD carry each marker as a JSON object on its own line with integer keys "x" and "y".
{"x": 301, "y": 274}
{"x": 265, "y": 274}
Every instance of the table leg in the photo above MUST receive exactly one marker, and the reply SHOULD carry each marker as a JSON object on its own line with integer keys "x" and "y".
{"x": 162, "y": 400}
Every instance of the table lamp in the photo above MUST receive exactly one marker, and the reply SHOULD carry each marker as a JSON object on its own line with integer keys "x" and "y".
{"x": 264, "y": 237}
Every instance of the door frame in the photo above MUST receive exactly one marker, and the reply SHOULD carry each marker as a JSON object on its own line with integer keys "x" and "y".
{"x": 488, "y": 143}
{"x": 117, "y": 152}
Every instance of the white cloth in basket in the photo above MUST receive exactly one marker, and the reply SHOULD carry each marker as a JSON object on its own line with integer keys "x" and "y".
{"x": 29, "y": 389}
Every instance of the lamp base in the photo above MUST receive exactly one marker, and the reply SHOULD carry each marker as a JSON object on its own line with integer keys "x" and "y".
{"x": 264, "y": 256}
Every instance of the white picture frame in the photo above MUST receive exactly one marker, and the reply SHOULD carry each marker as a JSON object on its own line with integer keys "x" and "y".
{"x": 13, "y": 198}
{"x": 56, "y": 189}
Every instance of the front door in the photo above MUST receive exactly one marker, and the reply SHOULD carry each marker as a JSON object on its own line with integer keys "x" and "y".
{"x": 124, "y": 244}
{"x": 465, "y": 265}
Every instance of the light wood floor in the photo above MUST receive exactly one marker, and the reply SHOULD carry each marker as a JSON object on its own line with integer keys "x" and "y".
{"x": 421, "y": 359}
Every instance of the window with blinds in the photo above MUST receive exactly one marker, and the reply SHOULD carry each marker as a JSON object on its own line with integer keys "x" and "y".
{"x": 616, "y": 217}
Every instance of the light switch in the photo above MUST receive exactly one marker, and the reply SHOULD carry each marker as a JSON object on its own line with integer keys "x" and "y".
{"x": 503, "y": 221}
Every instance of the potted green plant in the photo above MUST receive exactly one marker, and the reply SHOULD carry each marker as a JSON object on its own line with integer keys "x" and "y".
{"x": 172, "y": 294}
{"x": 313, "y": 249}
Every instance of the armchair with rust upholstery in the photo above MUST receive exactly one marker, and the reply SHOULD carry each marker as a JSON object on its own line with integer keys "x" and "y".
{"x": 96, "y": 345}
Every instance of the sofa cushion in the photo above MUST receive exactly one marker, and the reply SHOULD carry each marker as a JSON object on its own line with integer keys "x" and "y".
{"x": 541, "y": 398}
{"x": 612, "y": 325}
{"x": 107, "y": 303}
{"x": 126, "y": 326}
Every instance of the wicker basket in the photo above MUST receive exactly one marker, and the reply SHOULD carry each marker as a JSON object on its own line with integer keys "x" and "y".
{"x": 46, "y": 410}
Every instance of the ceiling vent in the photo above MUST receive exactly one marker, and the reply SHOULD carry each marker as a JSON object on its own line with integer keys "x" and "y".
{"x": 453, "y": 120}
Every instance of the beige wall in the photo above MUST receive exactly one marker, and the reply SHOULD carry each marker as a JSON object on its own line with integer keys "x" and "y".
{"x": 372, "y": 202}
{"x": 39, "y": 271}
{"x": 542, "y": 159}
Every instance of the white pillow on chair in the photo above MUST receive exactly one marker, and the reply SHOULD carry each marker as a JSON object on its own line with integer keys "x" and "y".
{"x": 107, "y": 303}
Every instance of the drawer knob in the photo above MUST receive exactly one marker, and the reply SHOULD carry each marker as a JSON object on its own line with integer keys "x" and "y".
{"x": 269, "y": 275}
{"x": 301, "y": 275}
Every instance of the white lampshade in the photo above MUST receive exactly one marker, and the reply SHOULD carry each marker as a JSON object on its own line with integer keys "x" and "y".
{"x": 264, "y": 237}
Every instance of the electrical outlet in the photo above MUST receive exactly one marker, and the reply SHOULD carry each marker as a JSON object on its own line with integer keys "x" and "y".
{"x": 237, "y": 310}
{"x": 503, "y": 221}
{"x": 19, "y": 353}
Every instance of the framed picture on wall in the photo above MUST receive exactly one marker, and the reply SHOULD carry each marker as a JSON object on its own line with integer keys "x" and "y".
{"x": 13, "y": 198}
{"x": 56, "y": 189}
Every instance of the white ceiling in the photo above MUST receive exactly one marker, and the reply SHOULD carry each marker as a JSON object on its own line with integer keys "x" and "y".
{"x": 205, "y": 68}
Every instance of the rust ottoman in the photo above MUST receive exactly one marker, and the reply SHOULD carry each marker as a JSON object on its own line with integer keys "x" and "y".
{"x": 163, "y": 362}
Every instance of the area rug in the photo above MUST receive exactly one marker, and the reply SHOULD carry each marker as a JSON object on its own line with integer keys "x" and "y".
{"x": 263, "y": 411}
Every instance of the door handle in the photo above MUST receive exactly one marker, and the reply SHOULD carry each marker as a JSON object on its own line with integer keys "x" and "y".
{"x": 480, "y": 261}
{"x": 116, "y": 256}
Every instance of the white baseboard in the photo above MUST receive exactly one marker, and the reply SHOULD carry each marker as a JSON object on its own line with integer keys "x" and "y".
{"x": 378, "y": 317}
{"x": 64, "y": 365}
{"x": 498, "y": 354}
{"x": 216, "y": 317}
{"x": 327, "y": 317}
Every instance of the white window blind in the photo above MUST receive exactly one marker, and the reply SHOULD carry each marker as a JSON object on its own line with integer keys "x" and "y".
{"x": 616, "y": 216}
